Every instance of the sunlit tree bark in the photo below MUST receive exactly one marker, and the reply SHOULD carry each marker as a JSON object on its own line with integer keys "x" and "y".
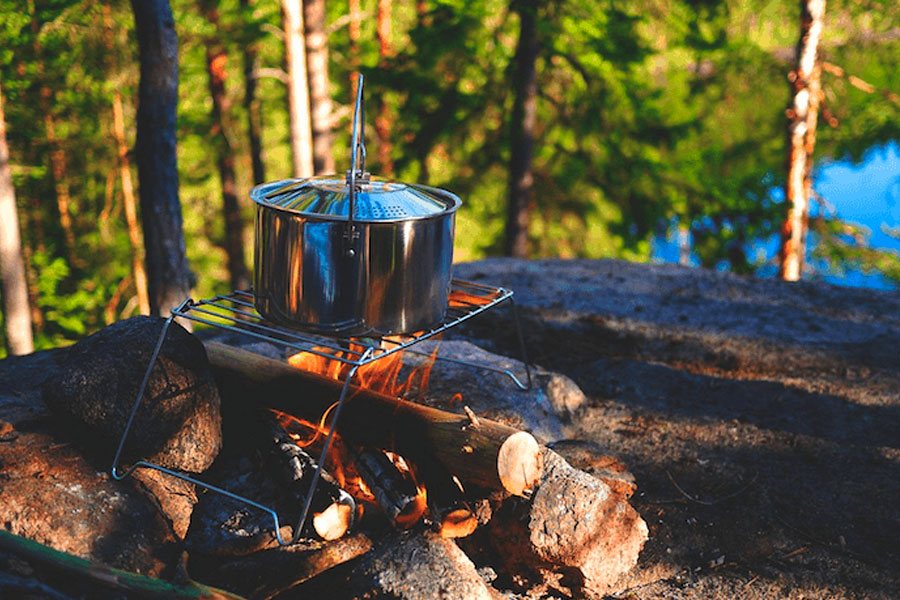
{"x": 298, "y": 88}
{"x": 16, "y": 313}
{"x": 130, "y": 205}
{"x": 521, "y": 177}
{"x": 319, "y": 95}
{"x": 168, "y": 275}
{"x": 353, "y": 9}
{"x": 216, "y": 59}
{"x": 383, "y": 119}
{"x": 252, "y": 106}
{"x": 806, "y": 92}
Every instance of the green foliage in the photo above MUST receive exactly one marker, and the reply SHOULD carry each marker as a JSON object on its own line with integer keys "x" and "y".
{"x": 650, "y": 115}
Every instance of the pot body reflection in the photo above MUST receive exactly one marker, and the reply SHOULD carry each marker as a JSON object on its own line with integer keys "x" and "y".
{"x": 397, "y": 280}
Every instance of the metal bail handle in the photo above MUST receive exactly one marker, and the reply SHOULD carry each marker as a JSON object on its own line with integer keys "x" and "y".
{"x": 357, "y": 166}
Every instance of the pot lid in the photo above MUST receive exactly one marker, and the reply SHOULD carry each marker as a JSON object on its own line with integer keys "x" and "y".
{"x": 376, "y": 199}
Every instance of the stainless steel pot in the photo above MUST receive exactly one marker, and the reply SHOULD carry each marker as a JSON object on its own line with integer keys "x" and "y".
{"x": 353, "y": 256}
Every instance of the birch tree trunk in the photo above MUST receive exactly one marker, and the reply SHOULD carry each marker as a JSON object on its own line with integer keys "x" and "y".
{"x": 16, "y": 313}
{"x": 131, "y": 220}
{"x": 521, "y": 178}
{"x": 298, "y": 90}
{"x": 319, "y": 95}
{"x": 168, "y": 275}
{"x": 216, "y": 59}
{"x": 802, "y": 114}
{"x": 252, "y": 106}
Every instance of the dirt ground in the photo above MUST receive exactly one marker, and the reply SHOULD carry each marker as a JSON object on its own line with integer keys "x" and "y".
{"x": 761, "y": 419}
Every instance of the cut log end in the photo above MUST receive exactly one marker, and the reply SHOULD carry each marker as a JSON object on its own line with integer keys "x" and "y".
{"x": 333, "y": 522}
{"x": 519, "y": 463}
{"x": 458, "y": 523}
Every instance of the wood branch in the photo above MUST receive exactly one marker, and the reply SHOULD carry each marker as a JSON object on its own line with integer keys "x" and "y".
{"x": 268, "y": 573}
{"x": 860, "y": 84}
{"x": 490, "y": 455}
{"x": 334, "y": 510}
{"x": 395, "y": 493}
{"x": 78, "y": 570}
{"x": 274, "y": 73}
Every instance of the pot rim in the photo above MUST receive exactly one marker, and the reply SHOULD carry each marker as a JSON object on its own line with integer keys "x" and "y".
{"x": 453, "y": 203}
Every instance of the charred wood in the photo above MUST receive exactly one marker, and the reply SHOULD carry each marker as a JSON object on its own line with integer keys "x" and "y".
{"x": 480, "y": 452}
{"x": 333, "y": 509}
{"x": 395, "y": 492}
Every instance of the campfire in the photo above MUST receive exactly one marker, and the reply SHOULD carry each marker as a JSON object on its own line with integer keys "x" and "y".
{"x": 432, "y": 497}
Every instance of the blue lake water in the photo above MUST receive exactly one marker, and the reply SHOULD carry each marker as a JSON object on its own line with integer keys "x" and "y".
{"x": 866, "y": 193}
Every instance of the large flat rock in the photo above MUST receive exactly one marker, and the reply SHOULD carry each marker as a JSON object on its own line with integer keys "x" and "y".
{"x": 761, "y": 419}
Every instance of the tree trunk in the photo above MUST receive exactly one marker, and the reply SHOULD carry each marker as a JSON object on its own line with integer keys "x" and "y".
{"x": 383, "y": 120}
{"x": 803, "y": 112}
{"x": 16, "y": 313}
{"x": 216, "y": 59}
{"x": 319, "y": 94}
{"x": 353, "y": 8}
{"x": 131, "y": 221}
{"x": 252, "y": 106}
{"x": 169, "y": 278}
{"x": 57, "y": 156}
{"x": 521, "y": 177}
{"x": 298, "y": 90}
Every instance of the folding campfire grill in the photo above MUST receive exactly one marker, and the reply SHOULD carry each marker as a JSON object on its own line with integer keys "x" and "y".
{"x": 235, "y": 312}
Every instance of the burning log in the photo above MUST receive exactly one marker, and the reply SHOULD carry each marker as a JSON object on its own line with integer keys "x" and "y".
{"x": 450, "y": 515}
{"x": 334, "y": 510}
{"x": 397, "y": 494}
{"x": 480, "y": 451}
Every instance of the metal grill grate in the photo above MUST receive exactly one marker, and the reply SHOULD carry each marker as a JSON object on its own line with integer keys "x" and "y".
{"x": 235, "y": 312}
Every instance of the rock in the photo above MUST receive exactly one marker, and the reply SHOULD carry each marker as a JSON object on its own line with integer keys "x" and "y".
{"x": 175, "y": 497}
{"x": 574, "y": 526}
{"x": 51, "y": 494}
{"x": 411, "y": 565}
{"x": 678, "y": 315}
{"x": 548, "y": 410}
{"x": 591, "y": 458}
{"x": 94, "y": 386}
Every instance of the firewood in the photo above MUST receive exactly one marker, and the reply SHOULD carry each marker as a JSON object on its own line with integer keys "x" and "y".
{"x": 79, "y": 572}
{"x": 450, "y": 514}
{"x": 395, "y": 493}
{"x": 334, "y": 510}
{"x": 479, "y": 451}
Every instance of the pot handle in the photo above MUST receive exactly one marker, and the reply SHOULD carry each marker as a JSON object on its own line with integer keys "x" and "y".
{"x": 357, "y": 166}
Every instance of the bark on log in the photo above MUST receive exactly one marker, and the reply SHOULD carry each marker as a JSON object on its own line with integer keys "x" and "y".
{"x": 333, "y": 509}
{"x": 478, "y": 451}
{"x": 397, "y": 495}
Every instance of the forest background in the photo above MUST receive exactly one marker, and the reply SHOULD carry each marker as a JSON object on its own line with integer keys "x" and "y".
{"x": 652, "y": 117}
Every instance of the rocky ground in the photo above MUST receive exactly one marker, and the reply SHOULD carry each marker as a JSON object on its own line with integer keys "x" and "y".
{"x": 761, "y": 419}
